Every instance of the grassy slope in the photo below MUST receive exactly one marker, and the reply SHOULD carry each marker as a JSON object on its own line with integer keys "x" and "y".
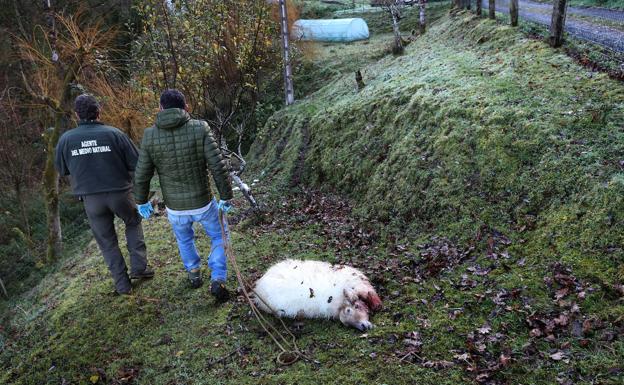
{"x": 71, "y": 328}
{"x": 461, "y": 138}
{"x": 475, "y": 126}
{"x": 476, "y": 129}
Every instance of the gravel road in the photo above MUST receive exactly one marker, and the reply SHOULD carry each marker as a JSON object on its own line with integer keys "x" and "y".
{"x": 591, "y": 30}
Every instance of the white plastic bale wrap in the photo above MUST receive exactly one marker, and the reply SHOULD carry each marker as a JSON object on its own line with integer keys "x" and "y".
{"x": 338, "y": 30}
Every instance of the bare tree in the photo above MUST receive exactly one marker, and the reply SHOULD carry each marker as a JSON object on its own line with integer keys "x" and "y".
{"x": 557, "y": 23}
{"x": 513, "y": 12}
{"x": 394, "y": 8}
{"x": 421, "y": 19}
{"x": 237, "y": 165}
{"x": 57, "y": 61}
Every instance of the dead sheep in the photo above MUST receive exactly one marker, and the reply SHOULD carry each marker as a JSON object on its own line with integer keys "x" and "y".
{"x": 315, "y": 289}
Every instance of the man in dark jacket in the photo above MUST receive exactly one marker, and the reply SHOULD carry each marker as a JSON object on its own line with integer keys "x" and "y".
{"x": 100, "y": 161}
{"x": 183, "y": 150}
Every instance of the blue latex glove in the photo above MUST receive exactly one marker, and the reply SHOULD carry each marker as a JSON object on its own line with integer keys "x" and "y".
{"x": 224, "y": 206}
{"x": 145, "y": 210}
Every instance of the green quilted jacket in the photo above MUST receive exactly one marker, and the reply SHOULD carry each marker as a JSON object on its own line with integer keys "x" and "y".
{"x": 181, "y": 150}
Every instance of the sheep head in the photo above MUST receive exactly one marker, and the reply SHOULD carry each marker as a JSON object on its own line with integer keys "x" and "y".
{"x": 355, "y": 314}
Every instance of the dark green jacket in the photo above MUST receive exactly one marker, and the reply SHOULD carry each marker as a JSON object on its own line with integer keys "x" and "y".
{"x": 181, "y": 150}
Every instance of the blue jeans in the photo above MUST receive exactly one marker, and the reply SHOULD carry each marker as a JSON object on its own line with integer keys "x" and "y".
{"x": 183, "y": 230}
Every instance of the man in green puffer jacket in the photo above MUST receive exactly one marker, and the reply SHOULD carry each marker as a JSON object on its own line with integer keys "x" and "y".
{"x": 182, "y": 151}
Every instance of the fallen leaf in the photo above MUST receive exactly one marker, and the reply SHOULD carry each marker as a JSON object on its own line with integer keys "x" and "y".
{"x": 562, "y": 320}
{"x": 94, "y": 379}
{"x": 558, "y": 356}
{"x": 559, "y": 294}
{"x": 485, "y": 329}
{"x": 504, "y": 359}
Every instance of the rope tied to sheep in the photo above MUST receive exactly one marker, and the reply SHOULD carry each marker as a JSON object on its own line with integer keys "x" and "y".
{"x": 290, "y": 352}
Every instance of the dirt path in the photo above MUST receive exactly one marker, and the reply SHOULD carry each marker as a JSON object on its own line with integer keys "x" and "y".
{"x": 598, "y": 30}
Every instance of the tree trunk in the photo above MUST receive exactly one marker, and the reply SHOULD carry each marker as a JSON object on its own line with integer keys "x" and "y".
{"x": 478, "y": 9}
{"x": 513, "y": 12}
{"x": 125, "y": 9}
{"x": 288, "y": 80}
{"x": 492, "y": 9}
{"x": 421, "y": 24}
{"x": 468, "y": 5}
{"x": 50, "y": 176}
{"x": 51, "y": 190}
{"x": 398, "y": 43}
{"x": 557, "y": 23}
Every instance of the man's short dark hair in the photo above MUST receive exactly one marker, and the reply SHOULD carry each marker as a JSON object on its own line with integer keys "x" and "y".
{"x": 87, "y": 107}
{"x": 172, "y": 98}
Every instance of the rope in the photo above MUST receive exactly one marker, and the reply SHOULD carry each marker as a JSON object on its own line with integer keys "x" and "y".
{"x": 290, "y": 352}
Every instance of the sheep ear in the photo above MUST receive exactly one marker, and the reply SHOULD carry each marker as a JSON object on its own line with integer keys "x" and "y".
{"x": 350, "y": 295}
{"x": 373, "y": 301}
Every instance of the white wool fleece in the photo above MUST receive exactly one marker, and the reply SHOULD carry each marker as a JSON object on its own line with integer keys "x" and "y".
{"x": 310, "y": 289}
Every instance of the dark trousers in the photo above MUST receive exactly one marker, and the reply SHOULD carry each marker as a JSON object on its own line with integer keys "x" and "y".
{"x": 101, "y": 210}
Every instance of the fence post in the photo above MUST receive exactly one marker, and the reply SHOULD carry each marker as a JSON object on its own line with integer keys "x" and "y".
{"x": 288, "y": 80}
{"x": 557, "y": 23}
{"x": 513, "y": 12}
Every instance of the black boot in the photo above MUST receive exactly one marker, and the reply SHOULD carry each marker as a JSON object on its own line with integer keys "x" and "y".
{"x": 147, "y": 273}
{"x": 195, "y": 278}
{"x": 219, "y": 291}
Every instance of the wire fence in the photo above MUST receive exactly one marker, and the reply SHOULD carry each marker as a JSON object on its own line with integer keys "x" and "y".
{"x": 597, "y": 25}
{"x": 23, "y": 249}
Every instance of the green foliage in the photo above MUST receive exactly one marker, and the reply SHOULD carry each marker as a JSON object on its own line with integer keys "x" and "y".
{"x": 318, "y": 9}
{"x": 220, "y": 54}
{"x": 379, "y": 21}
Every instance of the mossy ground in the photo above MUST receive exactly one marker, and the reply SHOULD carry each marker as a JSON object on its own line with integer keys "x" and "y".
{"x": 478, "y": 168}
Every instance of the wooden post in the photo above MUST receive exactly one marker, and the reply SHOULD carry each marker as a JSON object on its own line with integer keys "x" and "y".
{"x": 288, "y": 80}
{"x": 492, "y": 9}
{"x": 557, "y": 23}
{"x": 513, "y": 12}
{"x": 358, "y": 80}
